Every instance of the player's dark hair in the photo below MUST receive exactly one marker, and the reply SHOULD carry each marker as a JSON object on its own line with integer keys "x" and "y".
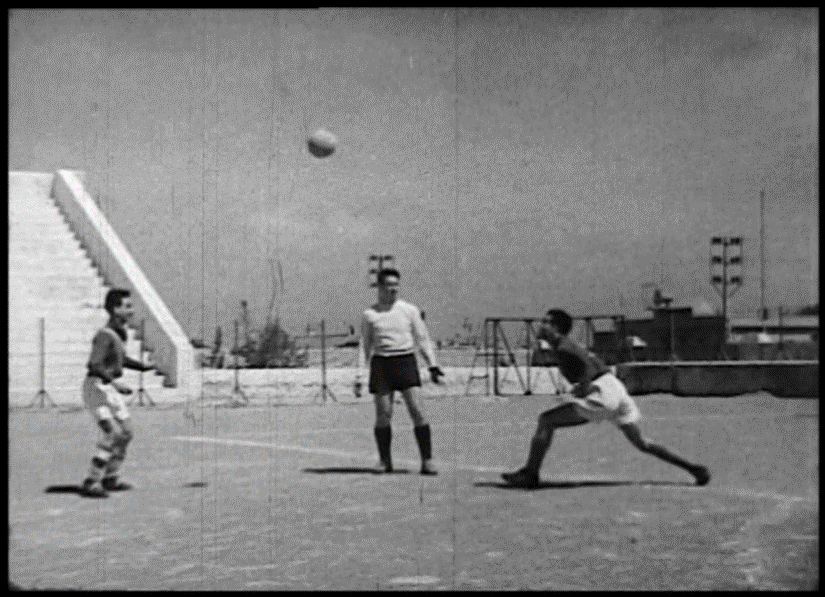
{"x": 386, "y": 272}
{"x": 561, "y": 319}
{"x": 114, "y": 297}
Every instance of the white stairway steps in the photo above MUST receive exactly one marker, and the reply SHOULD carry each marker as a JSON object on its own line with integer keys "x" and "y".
{"x": 51, "y": 277}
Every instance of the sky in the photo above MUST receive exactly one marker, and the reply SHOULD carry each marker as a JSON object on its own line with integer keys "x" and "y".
{"x": 511, "y": 160}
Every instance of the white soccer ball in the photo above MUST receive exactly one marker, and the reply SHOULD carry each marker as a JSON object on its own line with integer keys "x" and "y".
{"x": 322, "y": 143}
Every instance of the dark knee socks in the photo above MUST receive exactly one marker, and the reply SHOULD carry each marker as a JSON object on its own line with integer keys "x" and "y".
{"x": 383, "y": 438}
{"x": 664, "y": 454}
{"x": 425, "y": 446}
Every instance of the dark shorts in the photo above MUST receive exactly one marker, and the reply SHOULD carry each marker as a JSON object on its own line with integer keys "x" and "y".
{"x": 388, "y": 374}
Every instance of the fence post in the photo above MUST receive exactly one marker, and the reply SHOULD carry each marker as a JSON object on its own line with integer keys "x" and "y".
{"x": 142, "y": 393}
{"x": 238, "y": 397}
{"x": 324, "y": 387}
{"x": 42, "y": 395}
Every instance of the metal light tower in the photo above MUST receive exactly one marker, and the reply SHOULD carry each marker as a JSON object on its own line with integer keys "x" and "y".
{"x": 725, "y": 283}
{"x": 379, "y": 261}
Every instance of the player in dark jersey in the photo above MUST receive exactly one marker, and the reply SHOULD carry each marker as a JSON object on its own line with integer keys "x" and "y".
{"x": 597, "y": 396}
{"x": 102, "y": 395}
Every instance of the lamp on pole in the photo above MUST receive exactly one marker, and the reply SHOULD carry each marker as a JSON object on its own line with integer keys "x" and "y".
{"x": 379, "y": 261}
{"x": 726, "y": 285}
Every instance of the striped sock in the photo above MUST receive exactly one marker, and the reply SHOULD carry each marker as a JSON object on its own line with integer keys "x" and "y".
{"x": 115, "y": 461}
{"x": 100, "y": 462}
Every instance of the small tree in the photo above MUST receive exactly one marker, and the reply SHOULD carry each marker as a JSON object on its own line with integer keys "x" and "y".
{"x": 276, "y": 349}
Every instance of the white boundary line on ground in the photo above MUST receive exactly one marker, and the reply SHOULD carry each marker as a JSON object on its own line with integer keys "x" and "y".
{"x": 735, "y": 491}
{"x": 518, "y": 423}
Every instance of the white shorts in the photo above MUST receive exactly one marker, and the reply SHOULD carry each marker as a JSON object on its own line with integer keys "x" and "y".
{"x": 103, "y": 401}
{"x": 609, "y": 402}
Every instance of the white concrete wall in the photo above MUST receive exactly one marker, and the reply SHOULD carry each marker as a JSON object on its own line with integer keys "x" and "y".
{"x": 166, "y": 339}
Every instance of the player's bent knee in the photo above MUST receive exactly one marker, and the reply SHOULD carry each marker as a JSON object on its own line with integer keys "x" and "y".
{"x": 383, "y": 420}
{"x": 107, "y": 444}
{"x": 418, "y": 419}
{"x": 636, "y": 438}
{"x": 547, "y": 420}
{"x": 122, "y": 439}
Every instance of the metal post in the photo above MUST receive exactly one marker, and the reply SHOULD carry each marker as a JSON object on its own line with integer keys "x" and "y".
{"x": 324, "y": 387}
{"x": 780, "y": 345}
{"x": 486, "y": 360}
{"x": 528, "y": 325}
{"x": 764, "y": 313}
{"x": 495, "y": 358}
{"x": 238, "y": 395}
{"x": 673, "y": 356}
{"x": 42, "y": 395}
{"x": 141, "y": 393}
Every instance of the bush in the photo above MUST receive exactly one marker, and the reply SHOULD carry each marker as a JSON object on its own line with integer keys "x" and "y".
{"x": 809, "y": 310}
{"x": 276, "y": 350}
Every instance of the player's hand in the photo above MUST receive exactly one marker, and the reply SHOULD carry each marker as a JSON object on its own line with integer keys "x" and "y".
{"x": 356, "y": 388}
{"x": 125, "y": 390}
{"x": 436, "y": 374}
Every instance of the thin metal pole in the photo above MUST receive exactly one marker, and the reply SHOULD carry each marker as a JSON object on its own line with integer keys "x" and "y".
{"x": 763, "y": 312}
{"x": 528, "y": 325}
{"x": 42, "y": 395}
{"x": 238, "y": 395}
{"x": 323, "y": 362}
{"x": 495, "y": 357}
{"x": 324, "y": 387}
{"x": 42, "y": 355}
{"x": 486, "y": 359}
{"x": 142, "y": 393}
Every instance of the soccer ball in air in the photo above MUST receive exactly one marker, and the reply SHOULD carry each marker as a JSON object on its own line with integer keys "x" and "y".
{"x": 322, "y": 143}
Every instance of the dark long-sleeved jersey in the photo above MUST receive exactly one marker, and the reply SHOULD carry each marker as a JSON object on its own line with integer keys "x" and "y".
{"x": 577, "y": 365}
{"x": 108, "y": 356}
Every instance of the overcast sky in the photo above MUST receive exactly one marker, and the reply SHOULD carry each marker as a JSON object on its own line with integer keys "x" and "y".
{"x": 510, "y": 160}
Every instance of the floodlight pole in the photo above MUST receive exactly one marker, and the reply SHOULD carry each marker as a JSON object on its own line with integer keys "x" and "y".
{"x": 722, "y": 282}
{"x": 379, "y": 261}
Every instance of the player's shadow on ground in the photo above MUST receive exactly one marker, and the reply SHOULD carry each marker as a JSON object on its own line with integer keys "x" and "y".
{"x": 344, "y": 470}
{"x": 63, "y": 489}
{"x": 77, "y": 489}
{"x": 574, "y": 484}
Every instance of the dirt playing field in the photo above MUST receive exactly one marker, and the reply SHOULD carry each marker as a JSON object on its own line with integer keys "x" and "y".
{"x": 281, "y": 498}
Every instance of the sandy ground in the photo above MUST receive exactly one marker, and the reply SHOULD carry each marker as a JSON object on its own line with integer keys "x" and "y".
{"x": 283, "y": 498}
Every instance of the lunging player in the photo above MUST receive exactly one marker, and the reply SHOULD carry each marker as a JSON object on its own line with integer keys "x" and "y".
{"x": 390, "y": 331}
{"x": 102, "y": 395}
{"x": 597, "y": 396}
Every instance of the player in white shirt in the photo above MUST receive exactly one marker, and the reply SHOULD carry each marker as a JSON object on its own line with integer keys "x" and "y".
{"x": 391, "y": 330}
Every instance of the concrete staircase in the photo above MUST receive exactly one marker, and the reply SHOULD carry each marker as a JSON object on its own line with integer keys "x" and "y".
{"x": 51, "y": 277}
